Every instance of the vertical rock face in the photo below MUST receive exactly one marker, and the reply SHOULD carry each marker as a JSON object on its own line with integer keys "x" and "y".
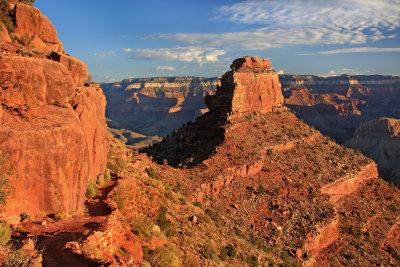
{"x": 249, "y": 86}
{"x": 52, "y": 127}
{"x": 380, "y": 140}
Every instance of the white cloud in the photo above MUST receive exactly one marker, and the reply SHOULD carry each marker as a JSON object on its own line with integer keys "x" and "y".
{"x": 361, "y": 50}
{"x": 186, "y": 54}
{"x": 110, "y": 79}
{"x": 293, "y": 22}
{"x": 280, "y": 72}
{"x": 169, "y": 68}
{"x": 104, "y": 54}
{"x": 345, "y": 71}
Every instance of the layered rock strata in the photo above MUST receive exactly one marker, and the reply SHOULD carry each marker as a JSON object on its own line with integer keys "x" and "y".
{"x": 249, "y": 86}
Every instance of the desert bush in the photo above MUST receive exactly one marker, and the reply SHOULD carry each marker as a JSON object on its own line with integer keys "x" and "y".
{"x": 123, "y": 193}
{"x": 252, "y": 261}
{"x": 91, "y": 190}
{"x": 5, "y": 234}
{"x": 166, "y": 255}
{"x": 228, "y": 251}
{"x": 92, "y": 250}
{"x": 162, "y": 219}
{"x": 141, "y": 226}
{"x": 59, "y": 216}
{"x": 118, "y": 166}
{"x": 100, "y": 181}
{"x": 152, "y": 173}
{"x": 17, "y": 257}
{"x": 107, "y": 176}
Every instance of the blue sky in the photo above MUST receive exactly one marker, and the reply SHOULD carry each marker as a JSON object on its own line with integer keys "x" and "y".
{"x": 138, "y": 38}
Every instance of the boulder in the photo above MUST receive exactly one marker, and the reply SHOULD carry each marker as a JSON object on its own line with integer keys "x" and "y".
{"x": 250, "y": 86}
{"x": 46, "y": 82}
{"x": 4, "y": 37}
{"x": 32, "y": 23}
{"x": 77, "y": 68}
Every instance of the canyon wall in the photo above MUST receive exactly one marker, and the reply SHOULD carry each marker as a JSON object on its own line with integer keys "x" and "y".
{"x": 380, "y": 140}
{"x": 156, "y": 106}
{"x": 52, "y": 124}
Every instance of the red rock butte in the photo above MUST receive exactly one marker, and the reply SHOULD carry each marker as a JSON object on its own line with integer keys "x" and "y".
{"x": 250, "y": 86}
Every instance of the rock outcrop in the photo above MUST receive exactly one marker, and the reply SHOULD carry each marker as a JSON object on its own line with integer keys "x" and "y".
{"x": 380, "y": 140}
{"x": 31, "y": 23}
{"x": 52, "y": 127}
{"x": 249, "y": 86}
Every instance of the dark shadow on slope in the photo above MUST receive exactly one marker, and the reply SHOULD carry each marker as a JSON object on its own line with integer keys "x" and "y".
{"x": 193, "y": 143}
{"x": 54, "y": 253}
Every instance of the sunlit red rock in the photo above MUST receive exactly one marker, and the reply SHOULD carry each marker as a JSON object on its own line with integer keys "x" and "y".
{"x": 249, "y": 86}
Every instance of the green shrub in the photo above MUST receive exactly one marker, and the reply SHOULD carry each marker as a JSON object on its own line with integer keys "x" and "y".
{"x": 91, "y": 190}
{"x": 5, "y": 234}
{"x": 100, "y": 181}
{"x": 162, "y": 219}
{"x": 59, "y": 216}
{"x": 228, "y": 251}
{"x": 123, "y": 193}
{"x": 252, "y": 261}
{"x": 119, "y": 165}
{"x": 107, "y": 176}
{"x": 152, "y": 173}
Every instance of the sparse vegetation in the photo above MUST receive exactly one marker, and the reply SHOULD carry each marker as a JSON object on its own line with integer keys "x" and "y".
{"x": 228, "y": 251}
{"x": 166, "y": 255}
{"x": 59, "y": 216}
{"x": 6, "y": 189}
{"x": 107, "y": 176}
{"x": 91, "y": 190}
{"x": 152, "y": 173}
{"x": 5, "y": 234}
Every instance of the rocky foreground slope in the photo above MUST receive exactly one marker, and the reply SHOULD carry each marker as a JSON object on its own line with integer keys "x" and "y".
{"x": 52, "y": 124}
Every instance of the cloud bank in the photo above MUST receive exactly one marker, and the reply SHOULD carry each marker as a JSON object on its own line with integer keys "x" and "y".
{"x": 295, "y": 22}
{"x": 185, "y": 54}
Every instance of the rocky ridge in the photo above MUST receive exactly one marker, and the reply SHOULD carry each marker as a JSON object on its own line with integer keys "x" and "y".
{"x": 270, "y": 176}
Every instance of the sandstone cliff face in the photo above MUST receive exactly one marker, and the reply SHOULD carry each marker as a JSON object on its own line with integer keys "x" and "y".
{"x": 380, "y": 140}
{"x": 52, "y": 128}
{"x": 250, "y": 86}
